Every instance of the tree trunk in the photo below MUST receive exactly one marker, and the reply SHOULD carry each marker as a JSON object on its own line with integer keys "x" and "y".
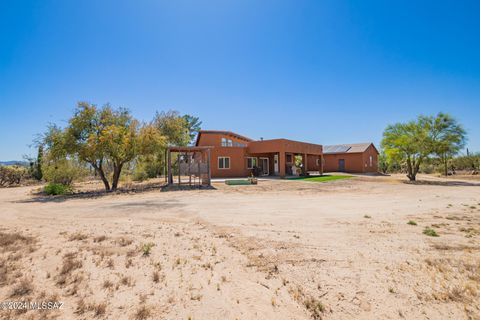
{"x": 117, "y": 169}
{"x": 445, "y": 163}
{"x": 99, "y": 169}
{"x": 411, "y": 176}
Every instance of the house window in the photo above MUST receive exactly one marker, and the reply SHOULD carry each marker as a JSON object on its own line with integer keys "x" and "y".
{"x": 289, "y": 158}
{"x": 238, "y": 144}
{"x": 223, "y": 163}
{"x": 318, "y": 162}
{"x": 251, "y": 162}
{"x": 371, "y": 161}
{"x": 227, "y": 142}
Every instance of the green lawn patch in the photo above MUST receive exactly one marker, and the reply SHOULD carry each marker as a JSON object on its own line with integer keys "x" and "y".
{"x": 323, "y": 178}
{"x": 237, "y": 182}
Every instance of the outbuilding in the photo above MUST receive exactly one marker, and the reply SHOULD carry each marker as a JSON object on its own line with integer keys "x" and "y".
{"x": 352, "y": 158}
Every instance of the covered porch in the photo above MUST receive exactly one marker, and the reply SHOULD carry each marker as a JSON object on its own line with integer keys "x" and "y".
{"x": 282, "y": 157}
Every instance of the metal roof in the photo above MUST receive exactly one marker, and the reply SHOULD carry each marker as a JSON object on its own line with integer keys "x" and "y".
{"x": 346, "y": 148}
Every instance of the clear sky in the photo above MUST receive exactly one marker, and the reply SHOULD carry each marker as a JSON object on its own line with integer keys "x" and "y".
{"x": 327, "y": 71}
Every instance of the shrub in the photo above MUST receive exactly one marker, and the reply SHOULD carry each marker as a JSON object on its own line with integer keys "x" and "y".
{"x": 63, "y": 172}
{"x": 412, "y": 223}
{"x": 147, "y": 248}
{"x": 147, "y": 168}
{"x": 430, "y": 232}
{"x": 57, "y": 189}
{"x": 11, "y": 175}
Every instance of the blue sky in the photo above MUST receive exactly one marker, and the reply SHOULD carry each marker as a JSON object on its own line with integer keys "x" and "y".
{"x": 327, "y": 71}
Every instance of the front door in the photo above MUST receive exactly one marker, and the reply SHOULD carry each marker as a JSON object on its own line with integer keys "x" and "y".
{"x": 275, "y": 164}
{"x": 341, "y": 165}
{"x": 264, "y": 166}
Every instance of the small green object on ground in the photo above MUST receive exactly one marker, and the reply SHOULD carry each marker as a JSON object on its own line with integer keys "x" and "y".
{"x": 323, "y": 178}
{"x": 430, "y": 232}
{"x": 237, "y": 182}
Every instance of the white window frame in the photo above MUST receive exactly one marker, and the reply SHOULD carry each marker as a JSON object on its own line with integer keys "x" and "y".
{"x": 253, "y": 165}
{"x": 223, "y": 158}
{"x": 224, "y": 142}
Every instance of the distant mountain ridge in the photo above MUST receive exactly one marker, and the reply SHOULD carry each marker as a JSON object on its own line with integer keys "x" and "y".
{"x": 14, "y": 163}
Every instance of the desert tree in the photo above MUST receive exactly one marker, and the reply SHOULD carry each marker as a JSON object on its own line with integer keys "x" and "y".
{"x": 448, "y": 137}
{"x": 176, "y": 130}
{"x": 193, "y": 125}
{"x": 173, "y": 127}
{"x": 103, "y": 137}
{"x": 415, "y": 141}
{"x": 408, "y": 142}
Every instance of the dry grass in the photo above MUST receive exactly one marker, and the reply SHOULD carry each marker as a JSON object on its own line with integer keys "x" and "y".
{"x": 459, "y": 279}
{"x": 98, "y": 309}
{"x": 126, "y": 281}
{"x": 22, "y": 288}
{"x": 100, "y": 238}
{"x": 14, "y": 241}
{"x": 70, "y": 263}
{"x": 77, "y": 236}
{"x": 313, "y": 305}
{"x": 82, "y": 306}
{"x": 124, "y": 242}
{"x": 156, "y": 276}
{"x": 143, "y": 312}
{"x": 107, "y": 285}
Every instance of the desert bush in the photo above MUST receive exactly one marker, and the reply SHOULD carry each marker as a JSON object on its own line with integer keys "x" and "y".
{"x": 430, "y": 232}
{"x": 11, "y": 175}
{"x": 146, "y": 168}
{"x": 63, "y": 171}
{"x": 469, "y": 162}
{"x": 54, "y": 189}
{"x": 147, "y": 248}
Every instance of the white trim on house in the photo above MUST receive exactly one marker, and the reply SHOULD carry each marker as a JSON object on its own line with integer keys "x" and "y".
{"x": 224, "y": 167}
{"x": 253, "y": 164}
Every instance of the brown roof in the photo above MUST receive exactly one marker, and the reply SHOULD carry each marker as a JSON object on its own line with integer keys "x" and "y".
{"x": 230, "y": 133}
{"x": 347, "y": 148}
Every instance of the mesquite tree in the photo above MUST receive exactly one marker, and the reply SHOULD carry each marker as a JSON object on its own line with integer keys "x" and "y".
{"x": 413, "y": 142}
{"x": 104, "y": 136}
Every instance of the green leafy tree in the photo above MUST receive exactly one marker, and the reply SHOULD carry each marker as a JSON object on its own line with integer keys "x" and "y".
{"x": 448, "y": 138}
{"x": 193, "y": 126}
{"x": 38, "y": 174}
{"x": 176, "y": 130}
{"x": 173, "y": 127}
{"x": 383, "y": 163}
{"x": 413, "y": 142}
{"x": 408, "y": 142}
{"x": 103, "y": 137}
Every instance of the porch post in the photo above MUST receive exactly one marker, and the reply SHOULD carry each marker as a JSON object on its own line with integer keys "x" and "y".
{"x": 305, "y": 161}
{"x": 282, "y": 164}
{"x": 169, "y": 167}
{"x": 209, "y": 167}
{"x": 321, "y": 165}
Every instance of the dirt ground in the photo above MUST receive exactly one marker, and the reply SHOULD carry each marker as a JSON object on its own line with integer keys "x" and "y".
{"x": 278, "y": 250}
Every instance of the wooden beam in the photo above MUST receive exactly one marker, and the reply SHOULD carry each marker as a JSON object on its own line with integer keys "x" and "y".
{"x": 169, "y": 167}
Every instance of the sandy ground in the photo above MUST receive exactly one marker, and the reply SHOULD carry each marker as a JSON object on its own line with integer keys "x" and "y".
{"x": 278, "y": 250}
